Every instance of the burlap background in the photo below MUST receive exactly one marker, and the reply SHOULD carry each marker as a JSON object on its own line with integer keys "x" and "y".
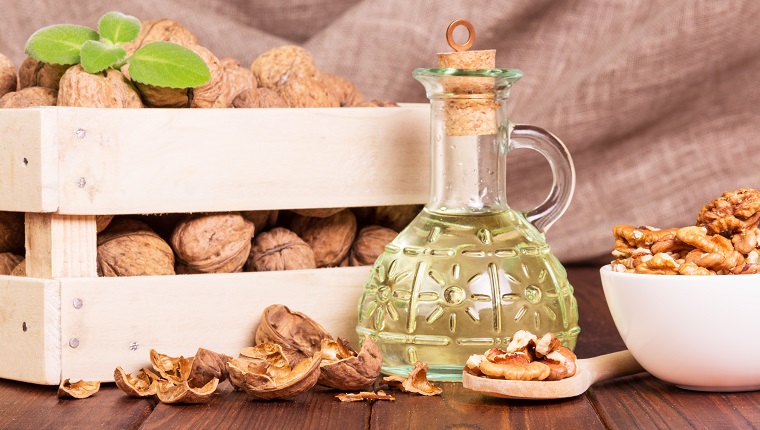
{"x": 658, "y": 100}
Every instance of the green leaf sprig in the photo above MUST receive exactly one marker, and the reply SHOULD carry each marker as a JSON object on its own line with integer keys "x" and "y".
{"x": 163, "y": 64}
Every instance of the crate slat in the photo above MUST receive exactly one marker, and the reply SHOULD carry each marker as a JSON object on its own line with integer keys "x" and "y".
{"x": 30, "y": 330}
{"x": 132, "y": 161}
{"x": 121, "y": 319}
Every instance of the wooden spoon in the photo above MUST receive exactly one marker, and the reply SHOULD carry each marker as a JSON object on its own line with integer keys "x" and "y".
{"x": 588, "y": 372}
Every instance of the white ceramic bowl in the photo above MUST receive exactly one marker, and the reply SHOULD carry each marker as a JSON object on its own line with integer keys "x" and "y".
{"x": 698, "y": 332}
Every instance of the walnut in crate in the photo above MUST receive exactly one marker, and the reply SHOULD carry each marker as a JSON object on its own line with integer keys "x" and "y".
{"x": 34, "y": 73}
{"x": 305, "y": 93}
{"x": 29, "y": 97}
{"x": 8, "y": 262}
{"x": 212, "y": 243}
{"x": 79, "y": 88}
{"x": 8, "y": 79}
{"x": 279, "y": 249}
{"x": 164, "y": 29}
{"x": 130, "y": 248}
{"x": 341, "y": 88}
{"x": 204, "y": 96}
{"x": 345, "y": 369}
{"x": 20, "y": 269}
{"x": 279, "y": 65}
{"x": 262, "y": 220}
{"x": 329, "y": 237}
{"x": 259, "y": 98}
{"x": 318, "y": 212}
{"x": 369, "y": 244}
{"x": 12, "y": 232}
{"x": 235, "y": 80}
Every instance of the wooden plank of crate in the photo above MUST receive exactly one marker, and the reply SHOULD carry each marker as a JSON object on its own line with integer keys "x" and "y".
{"x": 60, "y": 245}
{"x": 127, "y": 161}
{"x": 29, "y": 160}
{"x": 121, "y": 319}
{"x": 30, "y": 330}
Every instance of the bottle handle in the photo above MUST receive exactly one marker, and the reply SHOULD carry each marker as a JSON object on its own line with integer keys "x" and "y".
{"x": 563, "y": 173}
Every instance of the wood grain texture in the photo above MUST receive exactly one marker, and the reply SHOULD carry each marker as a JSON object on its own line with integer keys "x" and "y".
{"x": 121, "y": 319}
{"x": 30, "y": 330}
{"x": 132, "y": 161}
{"x": 35, "y": 407}
{"x": 316, "y": 409}
{"x": 60, "y": 245}
{"x": 29, "y": 160}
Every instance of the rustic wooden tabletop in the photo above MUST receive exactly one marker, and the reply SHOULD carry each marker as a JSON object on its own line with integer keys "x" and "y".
{"x": 639, "y": 401}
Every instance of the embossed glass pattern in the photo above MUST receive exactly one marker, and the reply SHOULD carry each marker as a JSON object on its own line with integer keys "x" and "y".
{"x": 468, "y": 271}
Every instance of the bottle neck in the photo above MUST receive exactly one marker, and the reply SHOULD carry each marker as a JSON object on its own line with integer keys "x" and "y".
{"x": 468, "y": 172}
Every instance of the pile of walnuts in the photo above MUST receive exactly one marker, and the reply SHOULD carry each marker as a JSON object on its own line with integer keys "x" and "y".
{"x": 228, "y": 242}
{"x": 723, "y": 241}
{"x": 284, "y": 76}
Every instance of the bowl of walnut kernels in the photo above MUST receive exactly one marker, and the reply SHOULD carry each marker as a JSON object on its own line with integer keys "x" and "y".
{"x": 686, "y": 301}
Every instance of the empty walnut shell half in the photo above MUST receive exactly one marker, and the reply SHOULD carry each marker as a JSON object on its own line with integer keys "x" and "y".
{"x": 174, "y": 369}
{"x": 77, "y": 390}
{"x": 141, "y": 384}
{"x": 269, "y": 379}
{"x": 183, "y": 393}
{"x": 300, "y": 336}
{"x": 207, "y": 365}
{"x": 345, "y": 369}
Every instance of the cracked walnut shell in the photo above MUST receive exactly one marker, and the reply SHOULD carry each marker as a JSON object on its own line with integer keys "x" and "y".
{"x": 300, "y": 336}
{"x": 168, "y": 392}
{"x": 77, "y": 390}
{"x": 130, "y": 248}
{"x": 279, "y": 249}
{"x": 330, "y": 238}
{"x": 345, "y": 369}
{"x": 141, "y": 384}
{"x": 416, "y": 382}
{"x": 212, "y": 243}
{"x": 271, "y": 377}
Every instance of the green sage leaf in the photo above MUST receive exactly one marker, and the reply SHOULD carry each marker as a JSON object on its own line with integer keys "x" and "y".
{"x": 118, "y": 27}
{"x": 98, "y": 56}
{"x": 166, "y": 64}
{"x": 59, "y": 44}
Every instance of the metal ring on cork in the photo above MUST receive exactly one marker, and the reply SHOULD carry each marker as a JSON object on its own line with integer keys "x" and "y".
{"x": 470, "y": 35}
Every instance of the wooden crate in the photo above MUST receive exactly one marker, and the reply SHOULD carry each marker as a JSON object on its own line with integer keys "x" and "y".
{"x": 63, "y": 166}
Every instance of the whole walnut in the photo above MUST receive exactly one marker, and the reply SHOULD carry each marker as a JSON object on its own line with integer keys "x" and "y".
{"x": 394, "y": 217}
{"x": 83, "y": 89}
{"x": 203, "y": 96}
{"x": 329, "y": 237}
{"x": 212, "y": 243}
{"x": 277, "y": 66}
{"x": 262, "y": 220}
{"x": 155, "y": 30}
{"x": 8, "y": 79}
{"x": 259, "y": 98}
{"x": 34, "y": 73}
{"x": 279, "y": 249}
{"x": 306, "y": 92}
{"x": 341, "y": 88}
{"x": 29, "y": 97}
{"x": 369, "y": 244}
{"x": 12, "y": 232}
{"x": 102, "y": 221}
{"x": 8, "y": 262}
{"x": 20, "y": 269}
{"x": 130, "y": 248}
{"x": 235, "y": 80}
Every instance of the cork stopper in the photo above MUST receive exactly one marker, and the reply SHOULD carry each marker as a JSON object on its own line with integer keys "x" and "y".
{"x": 468, "y": 116}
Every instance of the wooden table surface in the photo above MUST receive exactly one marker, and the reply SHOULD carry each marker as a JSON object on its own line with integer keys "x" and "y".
{"x": 638, "y": 401}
